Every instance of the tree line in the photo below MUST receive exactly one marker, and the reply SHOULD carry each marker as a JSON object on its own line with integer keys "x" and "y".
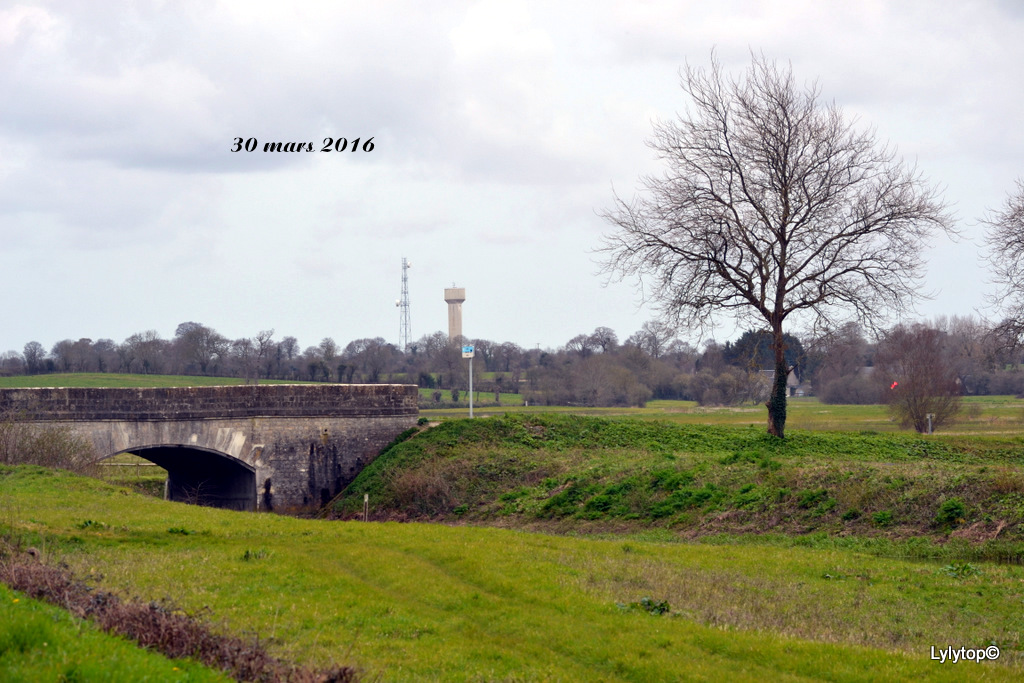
{"x": 951, "y": 356}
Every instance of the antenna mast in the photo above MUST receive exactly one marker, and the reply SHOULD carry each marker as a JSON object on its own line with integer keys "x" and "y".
{"x": 403, "y": 305}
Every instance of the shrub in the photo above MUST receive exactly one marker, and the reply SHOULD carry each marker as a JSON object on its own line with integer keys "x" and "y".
{"x": 23, "y": 443}
{"x": 883, "y": 518}
{"x": 809, "y": 499}
{"x": 851, "y": 514}
{"x": 951, "y": 513}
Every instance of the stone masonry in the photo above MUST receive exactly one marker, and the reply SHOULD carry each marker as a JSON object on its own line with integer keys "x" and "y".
{"x": 280, "y": 447}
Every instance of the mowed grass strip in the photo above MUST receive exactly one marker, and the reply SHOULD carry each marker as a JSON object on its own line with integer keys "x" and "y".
{"x": 414, "y": 602}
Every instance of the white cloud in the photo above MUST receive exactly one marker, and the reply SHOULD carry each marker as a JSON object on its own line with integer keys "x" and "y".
{"x": 500, "y": 130}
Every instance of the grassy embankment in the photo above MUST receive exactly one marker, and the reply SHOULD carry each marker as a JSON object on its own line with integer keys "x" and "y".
{"x": 566, "y": 473}
{"x": 414, "y": 602}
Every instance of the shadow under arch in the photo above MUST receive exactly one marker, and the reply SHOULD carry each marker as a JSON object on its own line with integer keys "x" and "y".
{"x": 202, "y": 476}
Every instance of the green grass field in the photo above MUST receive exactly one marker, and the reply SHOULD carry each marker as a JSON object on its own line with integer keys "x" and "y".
{"x": 480, "y": 398}
{"x": 414, "y": 602}
{"x": 39, "y": 642}
{"x": 980, "y": 415}
{"x": 689, "y": 545}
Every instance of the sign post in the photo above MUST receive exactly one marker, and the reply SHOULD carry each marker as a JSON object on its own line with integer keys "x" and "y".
{"x": 467, "y": 352}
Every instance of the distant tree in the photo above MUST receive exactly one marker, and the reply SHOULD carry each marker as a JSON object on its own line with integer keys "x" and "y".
{"x": 105, "y": 351}
{"x": 773, "y": 207}
{"x": 371, "y": 356}
{"x": 264, "y": 347}
{"x": 289, "y": 347}
{"x": 75, "y": 356}
{"x": 605, "y": 339}
{"x": 971, "y": 350}
{"x": 146, "y": 352}
{"x": 581, "y": 345}
{"x": 313, "y": 362}
{"x": 12, "y": 363}
{"x": 328, "y": 356}
{"x": 484, "y": 354}
{"x": 730, "y": 387}
{"x": 34, "y": 354}
{"x": 62, "y": 355}
{"x": 510, "y": 358}
{"x": 199, "y": 348}
{"x": 917, "y": 378}
{"x": 600, "y": 381}
{"x": 837, "y": 353}
{"x": 712, "y": 359}
{"x": 682, "y": 356}
{"x": 244, "y": 355}
{"x": 653, "y": 337}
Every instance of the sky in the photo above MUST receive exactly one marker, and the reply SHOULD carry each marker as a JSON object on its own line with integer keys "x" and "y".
{"x": 500, "y": 132}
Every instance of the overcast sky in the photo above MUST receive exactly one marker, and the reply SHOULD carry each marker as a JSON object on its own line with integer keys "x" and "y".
{"x": 500, "y": 130}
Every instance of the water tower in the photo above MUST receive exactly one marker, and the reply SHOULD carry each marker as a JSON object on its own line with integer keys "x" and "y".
{"x": 454, "y": 296}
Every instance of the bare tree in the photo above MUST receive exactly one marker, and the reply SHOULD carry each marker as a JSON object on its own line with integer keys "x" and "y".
{"x": 243, "y": 352}
{"x": 653, "y": 337}
{"x": 971, "y": 353}
{"x": 144, "y": 352}
{"x": 582, "y": 345}
{"x": 1005, "y": 255}
{"x": 913, "y": 363}
{"x": 199, "y": 348}
{"x": 35, "y": 354}
{"x": 837, "y": 353}
{"x": 12, "y": 363}
{"x": 605, "y": 338}
{"x": 773, "y": 207}
{"x": 264, "y": 342}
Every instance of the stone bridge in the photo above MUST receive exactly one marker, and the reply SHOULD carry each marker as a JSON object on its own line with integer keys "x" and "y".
{"x": 280, "y": 447}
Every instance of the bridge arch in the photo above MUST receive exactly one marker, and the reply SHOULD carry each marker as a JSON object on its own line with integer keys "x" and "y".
{"x": 280, "y": 447}
{"x": 202, "y": 476}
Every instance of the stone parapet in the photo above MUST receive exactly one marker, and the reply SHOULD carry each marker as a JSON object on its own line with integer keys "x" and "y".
{"x": 197, "y": 403}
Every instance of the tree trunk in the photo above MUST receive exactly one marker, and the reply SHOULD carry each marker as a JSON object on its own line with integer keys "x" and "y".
{"x": 777, "y": 400}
